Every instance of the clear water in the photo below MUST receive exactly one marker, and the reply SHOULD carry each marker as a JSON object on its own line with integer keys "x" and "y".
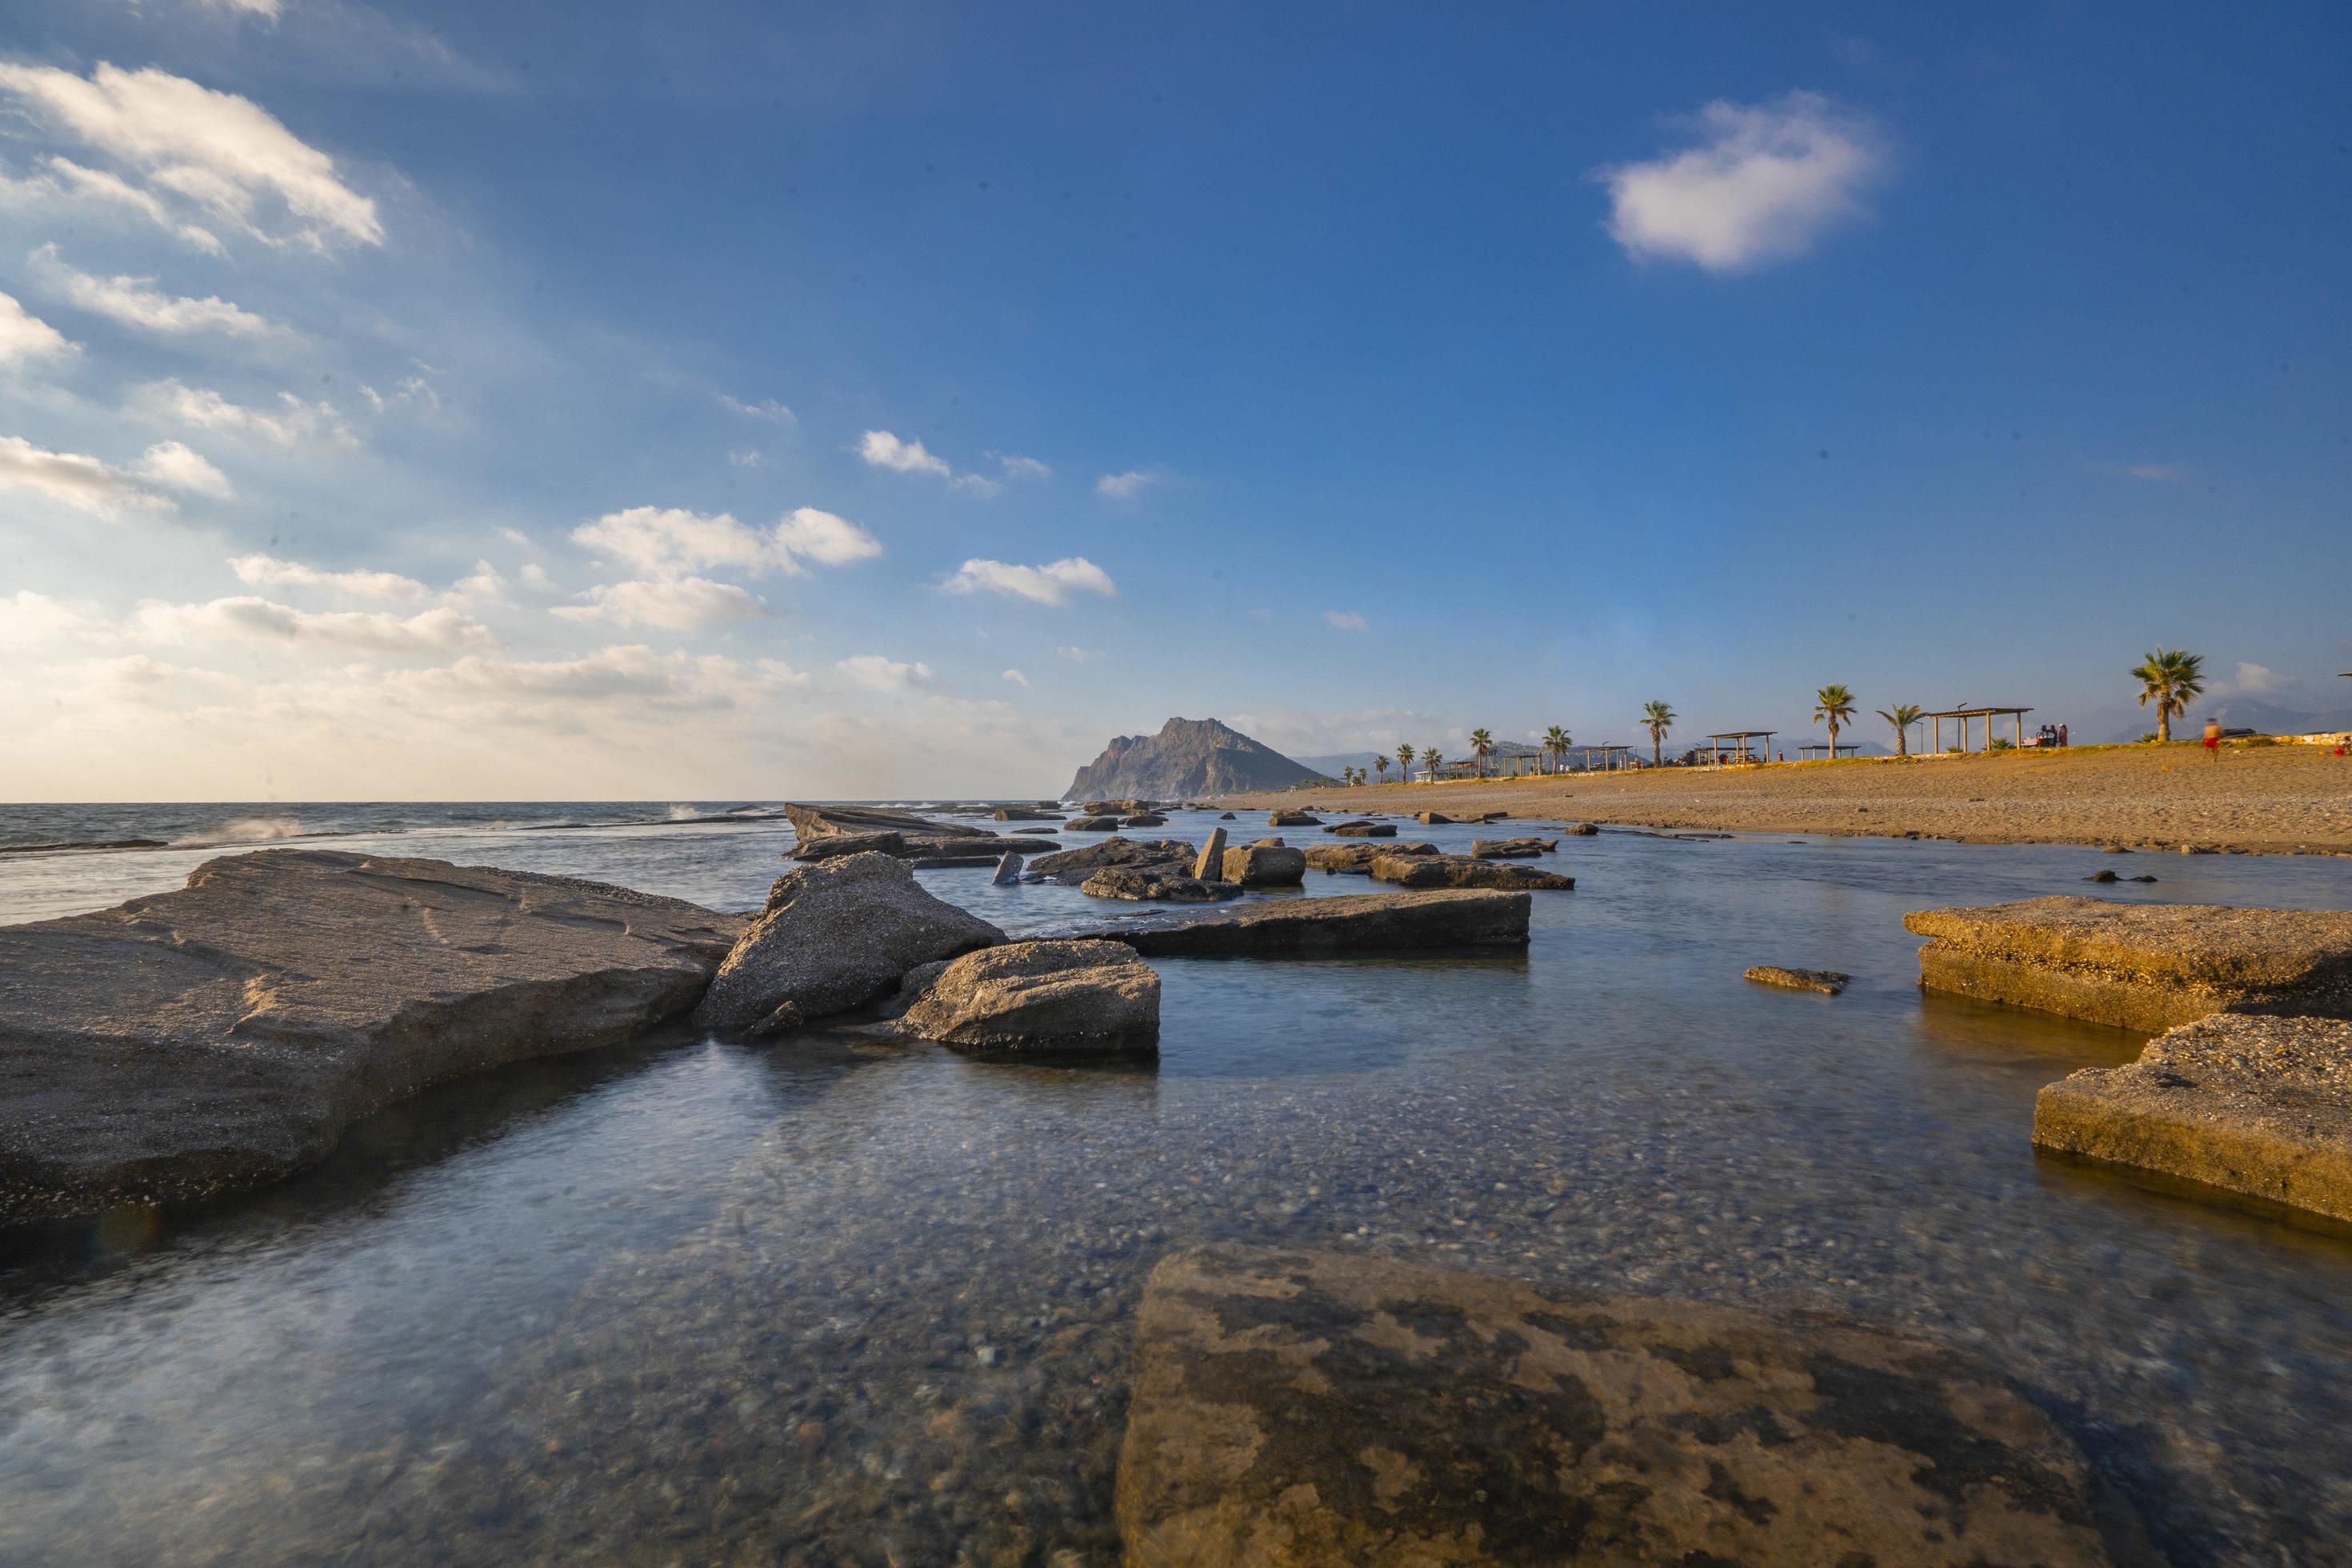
{"x": 831, "y": 1302}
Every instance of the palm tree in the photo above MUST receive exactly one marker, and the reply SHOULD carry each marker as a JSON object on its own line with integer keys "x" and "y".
{"x": 1556, "y": 743}
{"x": 1834, "y": 703}
{"x": 1381, "y": 767}
{"x": 1404, "y": 760}
{"x": 1657, "y": 718}
{"x": 1903, "y": 715}
{"x": 1431, "y": 760}
{"x": 1481, "y": 744}
{"x": 2172, "y": 679}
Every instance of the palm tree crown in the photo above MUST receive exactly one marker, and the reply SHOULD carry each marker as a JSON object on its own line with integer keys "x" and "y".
{"x": 1556, "y": 743}
{"x": 1405, "y": 754}
{"x": 1834, "y": 704}
{"x": 1430, "y": 755}
{"x": 1656, "y": 718}
{"x": 1903, "y": 715}
{"x": 1481, "y": 744}
{"x": 1381, "y": 767}
{"x": 2171, "y": 679}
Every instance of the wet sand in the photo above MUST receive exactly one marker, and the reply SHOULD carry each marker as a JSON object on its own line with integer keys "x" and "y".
{"x": 2283, "y": 799}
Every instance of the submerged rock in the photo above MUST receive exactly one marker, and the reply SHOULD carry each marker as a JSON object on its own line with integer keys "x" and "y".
{"x": 1295, "y": 1407}
{"x": 1354, "y": 922}
{"x": 1157, "y": 884}
{"x": 1828, "y": 982}
{"x": 1265, "y": 866}
{"x": 835, "y": 936}
{"x": 2140, "y": 966}
{"x": 1092, "y": 825}
{"x": 1358, "y": 858}
{"x": 225, "y": 1034}
{"x": 1511, "y": 848}
{"x": 1464, "y": 872}
{"x": 1287, "y": 817}
{"x": 1362, "y": 830}
{"x": 2255, "y": 1105}
{"x": 1074, "y": 865}
{"x": 1026, "y": 813}
{"x": 1144, "y": 819}
{"x": 1059, "y": 997}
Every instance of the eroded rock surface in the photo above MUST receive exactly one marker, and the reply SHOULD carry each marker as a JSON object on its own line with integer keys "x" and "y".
{"x": 1075, "y": 865}
{"x": 1048, "y": 997}
{"x": 1296, "y": 1408}
{"x": 1465, "y": 871}
{"x": 1511, "y": 848}
{"x": 1287, "y": 817}
{"x": 833, "y": 936}
{"x": 1355, "y": 922}
{"x": 1265, "y": 866}
{"x": 1357, "y": 858}
{"x": 2255, "y": 1105}
{"x": 832, "y": 832}
{"x": 1828, "y": 982}
{"x": 226, "y": 1034}
{"x": 1168, "y": 884}
{"x": 2140, "y": 966}
{"x": 1362, "y": 830}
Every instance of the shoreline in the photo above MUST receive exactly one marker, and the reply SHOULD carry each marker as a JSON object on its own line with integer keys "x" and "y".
{"x": 2259, "y": 800}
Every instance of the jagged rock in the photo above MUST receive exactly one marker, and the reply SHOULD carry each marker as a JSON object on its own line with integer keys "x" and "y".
{"x": 1439, "y": 819}
{"x": 826, "y": 821}
{"x": 1464, "y": 872}
{"x": 1225, "y": 816}
{"x": 1043, "y": 997}
{"x": 1189, "y": 758}
{"x": 1025, "y": 814}
{"x": 1092, "y": 825}
{"x": 1828, "y": 982}
{"x": 1157, "y": 884}
{"x": 1356, "y": 860}
{"x": 1294, "y": 1408}
{"x": 1008, "y": 871}
{"x": 1362, "y": 829}
{"x": 835, "y": 936}
{"x": 1265, "y": 866}
{"x": 830, "y": 832}
{"x": 1355, "y": 922}
{"x": 1511, "y": 848}
{"x": 1212, "y": 859}
{"x": 833, "y": 846}
{"x": 2255, "y": 1105}
{"x": 1584, "y": 829}
{"x": 1075, "y": 865}
{"x": 1285, "y": 816}
{"x": 225, "y": 1034}
{"x": 1118, "y": 808}
{"x": 2140, "y": 966}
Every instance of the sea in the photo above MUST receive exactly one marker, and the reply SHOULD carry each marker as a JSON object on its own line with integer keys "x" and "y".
{"x": 827, "y": 1300}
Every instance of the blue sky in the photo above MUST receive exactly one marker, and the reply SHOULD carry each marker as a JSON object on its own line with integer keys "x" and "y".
{"x": 706, "y": 400}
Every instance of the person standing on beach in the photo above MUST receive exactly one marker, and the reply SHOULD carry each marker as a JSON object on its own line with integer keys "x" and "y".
{"x": 2213, "y": 739}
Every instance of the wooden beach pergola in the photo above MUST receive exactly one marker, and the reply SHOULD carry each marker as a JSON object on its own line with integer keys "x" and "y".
{"x": 1844, "y": 748}
{"x": 1734, "y": 744}
{"x": 1964, "y": 714}
{"x": 1612, "y": 757}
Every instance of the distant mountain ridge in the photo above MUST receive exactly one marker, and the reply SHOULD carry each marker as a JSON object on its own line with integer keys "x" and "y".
{"x": 1188, "y": 757}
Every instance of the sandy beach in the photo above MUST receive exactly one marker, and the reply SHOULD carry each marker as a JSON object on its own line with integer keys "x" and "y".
{"x": 2286, "y": 799}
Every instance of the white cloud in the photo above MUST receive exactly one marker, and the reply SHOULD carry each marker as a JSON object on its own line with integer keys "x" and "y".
{"x": 881, "y": 449}
{"x": 2257, "y": 681}
{"x": 483, "y": 586}
{"x": 1051, "y": 584}
{"x": 1015, "y": 676}
{"x": 674, "y": 603}
{"x": 1764, "y": 183}
{"x": 223, "y": 155}
{"x": 269, "y": 8}
{"x": 137, "y": 303}
{"x": 175, "y": 467}
{"x": 745, "y": 458}
{"x": 292, "y": 422}
{"x": 1078, "y": 655}
{"x": 248, "y": 616}
{"x": 767, "y": 409}
{"x": 670, "y": 541}
{"x": 1020, "y": 467}
{"x": 1126, "y": 486}
{"x": 871, "y": 670}
{"x": 1347, "y": 620}
{"x": 411, "y": 392}
{"x": 84, "y": 483}
{"x": 36, "y": 623}
{"x": 806, "y": 533}
{"x": 25, "y": 337}
{"x": 269, "y": 571}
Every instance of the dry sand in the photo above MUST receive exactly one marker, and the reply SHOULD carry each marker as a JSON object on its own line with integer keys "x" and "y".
{"x": 2281, "y": 799}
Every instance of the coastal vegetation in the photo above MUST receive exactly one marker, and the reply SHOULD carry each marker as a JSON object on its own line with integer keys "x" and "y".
{"x": 1658, "y": 719}
{"x": 2170, "y": 680}
{"x": 1833, "y": 704}
{"x": 1903, "y": 715}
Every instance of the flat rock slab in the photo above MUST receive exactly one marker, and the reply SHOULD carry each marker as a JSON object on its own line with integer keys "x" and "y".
{"x": 1362, "y": 830}
{"x": 1074, "y": 865}
{"x": 1828, "y": 982}
{"x": 1294, "y": 1408}
{"x": 1040, "y": 998}
{"x": 2140, "y": 966}
{"x": 1511, "y": 848}
{"x": 1289, "y": 818}
{"x": 1465, "y": 871}
{"x": 225, "y": 1035}
{"x": 2255, "y": 1105}
{"x": 1357, "y": 858}
{"x": 1158, "y": 885}
{"x": 1356, "y": 922}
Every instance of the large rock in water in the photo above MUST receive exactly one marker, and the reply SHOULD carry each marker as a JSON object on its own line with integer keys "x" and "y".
{"x": 2140, "y": 966}
{"x": 1297, "y": 1408}
{"x": 1189, "y": 758}
{"x": 1511, "y": 848}
{"x": 835, "y": 936}
{"x": 1057, "y": 997}
{"x": 831, "y": 832}
{"x": 2255, "y": 1105}
{"x": 226, "y": 1034}
{"x": 1355, "y": 922}
{"x": 1071, "y": 866}
{"x": 1265, "y": 866}
{"x": 1357, "y": 858}
{"x": 1157, "y": 884}
{"x": 1464, "y": 872}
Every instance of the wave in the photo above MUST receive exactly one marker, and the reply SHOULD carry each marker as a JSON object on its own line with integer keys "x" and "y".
{"x": 247, "y": 830}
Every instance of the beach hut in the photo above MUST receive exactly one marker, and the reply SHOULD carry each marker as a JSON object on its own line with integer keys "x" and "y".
{"x": 1962, "y": 716}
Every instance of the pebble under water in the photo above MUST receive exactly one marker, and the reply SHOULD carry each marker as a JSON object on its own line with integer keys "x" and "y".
{"x": 827, "y": 1301}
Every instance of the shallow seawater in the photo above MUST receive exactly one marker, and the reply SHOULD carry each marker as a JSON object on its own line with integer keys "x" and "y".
{"x": 834, "y": 1302}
